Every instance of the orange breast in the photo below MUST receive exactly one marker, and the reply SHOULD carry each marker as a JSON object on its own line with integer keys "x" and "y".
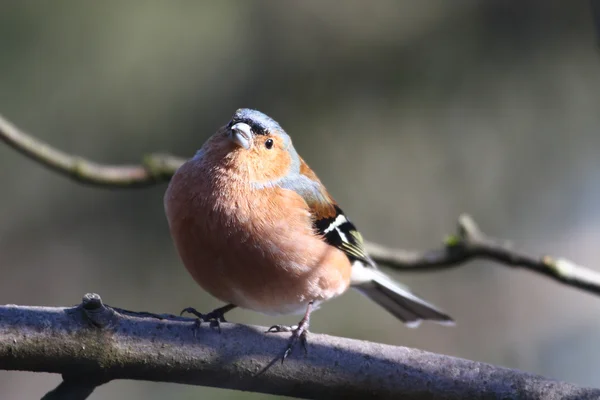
{"x": 253, "y": 248}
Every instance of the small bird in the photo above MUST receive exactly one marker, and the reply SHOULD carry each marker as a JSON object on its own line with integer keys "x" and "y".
{"x": 256, "y": 228}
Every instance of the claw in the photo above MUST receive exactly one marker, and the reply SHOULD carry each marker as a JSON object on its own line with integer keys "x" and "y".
{"x": 191, "y": 310}
{"x": 299, "y": 332}
{"x": 286, "y": 354}
{"x": 215, "y": 323}
{"x": 304, "y": 342}
{"x": 196, "y": 328}
{"x": 281, "y": 328}
{"x": 214, "y": 318}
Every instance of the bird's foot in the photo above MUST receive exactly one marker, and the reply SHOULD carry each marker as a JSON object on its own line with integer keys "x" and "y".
{"x": 282, "y": 328}
{"x": 299, "y": 333}
{"x": 214, "y": 318}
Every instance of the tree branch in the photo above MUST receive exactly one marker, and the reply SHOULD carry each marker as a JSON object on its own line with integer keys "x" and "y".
{"x": 469, "y": 243}
{"x": 91, "y": 344}
{"x": 154, "y": 168}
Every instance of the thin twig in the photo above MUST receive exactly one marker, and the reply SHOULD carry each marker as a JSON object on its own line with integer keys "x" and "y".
{"x": 92, "y": 344}
{"x": 468, "y": 244}
{"x": 471, "y": 243}
{"x": 154, "y": 168}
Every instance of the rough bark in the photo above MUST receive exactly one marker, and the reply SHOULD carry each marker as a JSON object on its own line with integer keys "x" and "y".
{"x": 92, "y": 344}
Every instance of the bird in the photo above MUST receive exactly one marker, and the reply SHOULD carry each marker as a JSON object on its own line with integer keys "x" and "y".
{"x": 257, "y": 229}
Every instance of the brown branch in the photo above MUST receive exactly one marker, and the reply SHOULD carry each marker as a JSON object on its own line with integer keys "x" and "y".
{"x": 471, "y": 243}
{"x": 92, "y": 344}
{"x": 154, "y": 168}
{"x": 468, "y": 244}
{"x": 73, "y": 388}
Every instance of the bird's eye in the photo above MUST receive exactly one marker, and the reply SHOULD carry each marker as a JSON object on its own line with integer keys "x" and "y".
{"x": 269, "y": 143}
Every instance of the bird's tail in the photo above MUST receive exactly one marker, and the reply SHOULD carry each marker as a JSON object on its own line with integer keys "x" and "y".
{"x": 398, "y": 300}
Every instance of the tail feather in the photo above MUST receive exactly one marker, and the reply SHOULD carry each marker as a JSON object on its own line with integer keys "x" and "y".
{"x": 399, "y": 301}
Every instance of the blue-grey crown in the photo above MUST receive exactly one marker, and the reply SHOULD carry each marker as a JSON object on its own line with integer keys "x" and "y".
{"x": 259, "y": 122}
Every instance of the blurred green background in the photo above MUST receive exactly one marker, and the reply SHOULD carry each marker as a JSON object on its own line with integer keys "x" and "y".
{"x": 410, "y": 112}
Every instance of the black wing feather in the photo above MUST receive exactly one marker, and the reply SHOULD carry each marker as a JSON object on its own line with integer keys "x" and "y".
{"x": 339, "y": 232}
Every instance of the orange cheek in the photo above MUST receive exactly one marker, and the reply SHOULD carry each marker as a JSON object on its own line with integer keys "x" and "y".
{"x": 269, "y": 164}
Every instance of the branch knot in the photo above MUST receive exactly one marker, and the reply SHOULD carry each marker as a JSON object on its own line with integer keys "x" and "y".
{"x": 95, "y": 311}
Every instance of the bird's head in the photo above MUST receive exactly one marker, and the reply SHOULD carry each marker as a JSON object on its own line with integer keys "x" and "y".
{"x": 258, "y": 144}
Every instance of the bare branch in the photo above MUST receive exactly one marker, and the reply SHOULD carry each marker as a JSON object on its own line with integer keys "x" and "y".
{"x": 75, "y": 388}
{"x": 91, "y": 344}
{"x": 154, "y": 168}
{"x": 471, "y": 243}
{"x": 468, "y": 244}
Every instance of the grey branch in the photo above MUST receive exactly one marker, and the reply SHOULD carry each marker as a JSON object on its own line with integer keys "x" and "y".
{"x": 468, "y": 244}
{"x": 471, "y": 243}
{"x": 154, "y": 168}
{"x": 92, "y": 344}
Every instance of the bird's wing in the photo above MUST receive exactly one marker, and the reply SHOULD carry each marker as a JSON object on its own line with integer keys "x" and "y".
{"x": 328, "y": 218}
{"x": 338, "y": 231}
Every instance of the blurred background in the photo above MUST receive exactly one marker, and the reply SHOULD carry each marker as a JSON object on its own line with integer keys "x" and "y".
{"x": 410, "y": 112}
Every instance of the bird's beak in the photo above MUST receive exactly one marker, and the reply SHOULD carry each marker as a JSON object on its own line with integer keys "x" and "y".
{"x": 241, "y": 134}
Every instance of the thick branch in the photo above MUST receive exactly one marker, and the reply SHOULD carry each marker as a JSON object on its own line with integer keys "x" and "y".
{"x": 92, "y": 343}
{"x": 468, "y": 244}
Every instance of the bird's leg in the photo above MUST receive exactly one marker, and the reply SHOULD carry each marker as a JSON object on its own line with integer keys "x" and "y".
{"x": 299, "y": 331}
{"x": 215, "y": 317}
